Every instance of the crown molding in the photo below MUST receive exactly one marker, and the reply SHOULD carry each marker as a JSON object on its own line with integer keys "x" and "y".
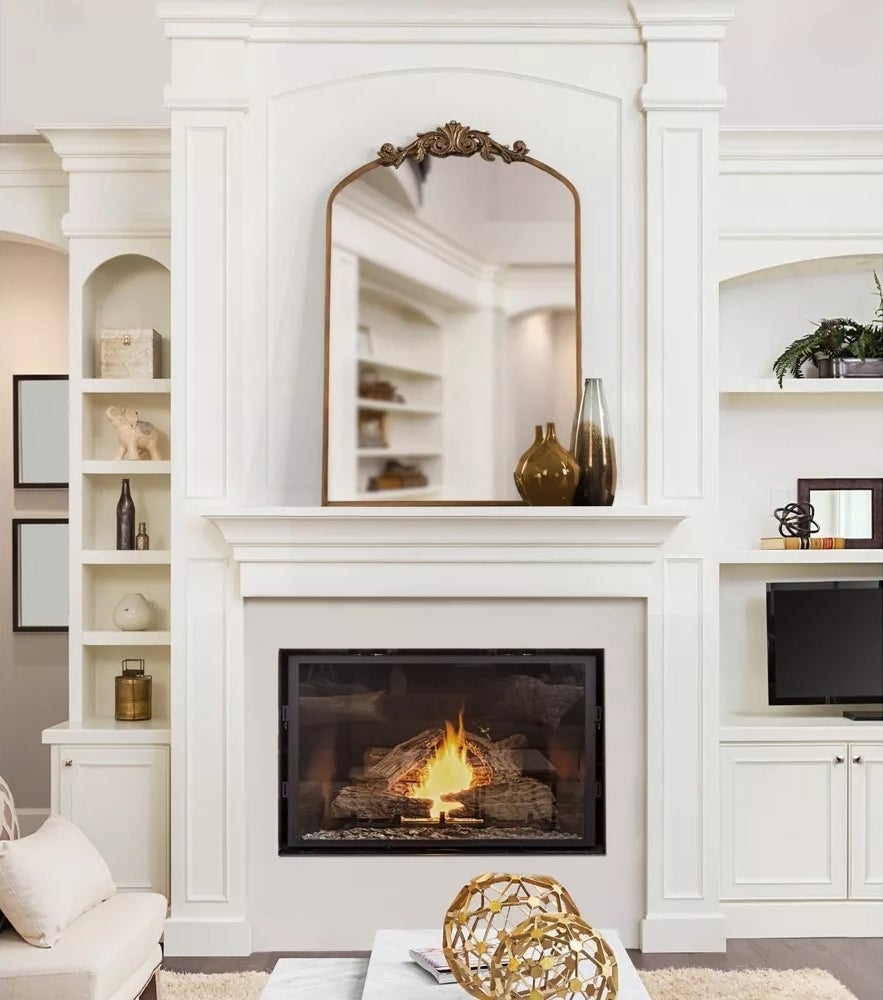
{"x": 100, "y": 148}
{"x": 29, "y": 161}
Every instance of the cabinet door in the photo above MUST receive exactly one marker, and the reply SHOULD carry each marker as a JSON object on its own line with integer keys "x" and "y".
{"x": 119, "y": 797}
{"x": 783, "y": 821}
{"x": 866, "y": 820}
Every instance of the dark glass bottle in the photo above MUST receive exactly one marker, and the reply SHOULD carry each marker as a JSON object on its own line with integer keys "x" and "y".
{"x": 593, "y": 448}
{"x": 125, "y": 518}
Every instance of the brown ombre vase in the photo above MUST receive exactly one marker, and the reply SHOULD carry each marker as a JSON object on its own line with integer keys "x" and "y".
{"x": 593, "y": 448}
{"x": 546, "y": 474}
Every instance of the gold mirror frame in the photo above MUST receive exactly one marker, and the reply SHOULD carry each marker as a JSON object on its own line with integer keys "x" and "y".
{"x": 452, "y": 139}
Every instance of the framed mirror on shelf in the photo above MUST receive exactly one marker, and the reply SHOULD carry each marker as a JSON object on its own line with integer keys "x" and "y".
{"x": 40, "y": 408}
{"x": 846, "y": 508}
{"x": 40, "y": 585}
{"x": 452, "y": 321}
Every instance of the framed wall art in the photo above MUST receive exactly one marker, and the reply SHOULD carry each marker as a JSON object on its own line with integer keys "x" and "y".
{"x": 40, "y": 584}
{"x": 40, "y": 408}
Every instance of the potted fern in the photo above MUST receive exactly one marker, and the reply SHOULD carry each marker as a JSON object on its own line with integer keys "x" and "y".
{"x": 839, "y": 348}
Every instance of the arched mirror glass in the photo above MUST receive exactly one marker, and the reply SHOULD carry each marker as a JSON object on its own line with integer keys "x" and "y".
{"x": 452, "y": 320}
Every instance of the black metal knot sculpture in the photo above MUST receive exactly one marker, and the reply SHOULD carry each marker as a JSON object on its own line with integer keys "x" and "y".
{"x": 796, "y": 520}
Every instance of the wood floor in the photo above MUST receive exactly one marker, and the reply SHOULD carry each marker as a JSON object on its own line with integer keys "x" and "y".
{"x": 856, "y": 962}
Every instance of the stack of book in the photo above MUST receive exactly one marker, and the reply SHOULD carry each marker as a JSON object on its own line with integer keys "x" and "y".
{"x": 815, "y": 542}
{"x": 434, "y": 962}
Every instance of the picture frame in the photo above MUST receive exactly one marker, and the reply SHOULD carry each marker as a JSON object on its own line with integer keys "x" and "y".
{"x": 40, "y": 577}
{"x": 40, "y": 439}
{"x": 868, "y": 512}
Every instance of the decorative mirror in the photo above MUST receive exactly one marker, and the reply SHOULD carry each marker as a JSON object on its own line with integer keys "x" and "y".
{"x": 452, "y": 320}
{"x": 846, "y": 508}
{"x": 40, "y": 575}
{"x": 40, "y": 432}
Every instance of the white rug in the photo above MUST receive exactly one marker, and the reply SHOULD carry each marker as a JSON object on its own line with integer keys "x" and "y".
{"x": 666, "y": 984}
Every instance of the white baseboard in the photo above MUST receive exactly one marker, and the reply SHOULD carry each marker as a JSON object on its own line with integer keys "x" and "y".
{"x": 691, "y": 932}
{"x": 30, "y": 820}
{"x": 185, "y": 938}
{"x": 800, "y": 918}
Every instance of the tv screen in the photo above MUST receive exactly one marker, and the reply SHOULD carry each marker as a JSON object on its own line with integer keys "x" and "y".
{"x": 825, "y": 642}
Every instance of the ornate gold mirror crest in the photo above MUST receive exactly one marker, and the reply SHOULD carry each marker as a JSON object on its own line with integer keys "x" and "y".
{"x": 452, "y": 319}
{"x": 452, "y": 139}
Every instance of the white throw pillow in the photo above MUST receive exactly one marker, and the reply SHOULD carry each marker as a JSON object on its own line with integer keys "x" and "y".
{"x": 49, "y": 878}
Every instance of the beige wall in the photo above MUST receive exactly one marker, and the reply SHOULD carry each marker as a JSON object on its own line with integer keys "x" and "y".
{"x": 33, "y": 667}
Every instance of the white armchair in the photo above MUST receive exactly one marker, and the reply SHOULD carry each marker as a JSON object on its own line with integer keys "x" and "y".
{"x": 110, "y": 952}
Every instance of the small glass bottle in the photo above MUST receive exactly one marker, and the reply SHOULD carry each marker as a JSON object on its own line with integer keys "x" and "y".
{"x": 142, "y": 539}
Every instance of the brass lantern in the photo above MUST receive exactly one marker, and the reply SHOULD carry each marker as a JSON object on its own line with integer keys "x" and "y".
{"x": 133, "y": 690}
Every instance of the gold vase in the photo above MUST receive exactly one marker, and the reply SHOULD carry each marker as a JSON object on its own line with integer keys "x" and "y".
{"x": 547, "y": 474}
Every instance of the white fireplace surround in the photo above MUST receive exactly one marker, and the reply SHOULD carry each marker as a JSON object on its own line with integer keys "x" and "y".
{"x": 272, "y": 102}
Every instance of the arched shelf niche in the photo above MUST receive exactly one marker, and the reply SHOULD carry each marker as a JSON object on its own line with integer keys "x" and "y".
{"x": 127, "y": 291}
{"x": 763, "y": 311}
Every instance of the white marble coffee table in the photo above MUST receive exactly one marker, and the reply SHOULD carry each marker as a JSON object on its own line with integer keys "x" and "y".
{"x": 316, "y": 979}
{"x": 391, "y": 975}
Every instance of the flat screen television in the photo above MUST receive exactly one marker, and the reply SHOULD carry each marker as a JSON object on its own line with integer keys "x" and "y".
{"x": 825, "y": 642}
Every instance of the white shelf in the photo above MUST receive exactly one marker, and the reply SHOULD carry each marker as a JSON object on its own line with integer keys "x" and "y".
{"x": 126, "y": 557}
{"x": 116, "y": 637}
{"x": 135, "y": 386}
{"x": 393, "y": 453}
{"x": 798, "y": 557}
{"x": 125, "y": 468}
{"x": 107, "y": 730}
{"x": 404, "y": 494}
{"x": 392, "y": 366}
{"x": 804, "y": 387}
{"x": 379, "y": 406}
{"x": 798, "y": 728}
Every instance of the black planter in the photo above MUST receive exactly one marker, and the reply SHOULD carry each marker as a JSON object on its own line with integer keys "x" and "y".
{"x": 850, "y": 368}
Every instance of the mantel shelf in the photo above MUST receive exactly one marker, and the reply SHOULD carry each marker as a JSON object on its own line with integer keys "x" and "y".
{"x": 254, "y": 533}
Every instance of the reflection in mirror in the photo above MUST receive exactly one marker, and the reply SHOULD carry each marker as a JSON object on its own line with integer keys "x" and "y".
{"x": 452, "y": 327}
{"x": 843, "y": 513}
{"x": 40, "y": 575}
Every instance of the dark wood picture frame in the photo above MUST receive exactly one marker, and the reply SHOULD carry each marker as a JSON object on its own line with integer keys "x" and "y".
{"x": 18, "y": 482}
{"x": 17, "y": 626}
{"x": 875, "y": 486}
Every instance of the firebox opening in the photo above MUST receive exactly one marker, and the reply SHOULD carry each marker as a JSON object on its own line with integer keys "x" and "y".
{"x": 412, "y": 751}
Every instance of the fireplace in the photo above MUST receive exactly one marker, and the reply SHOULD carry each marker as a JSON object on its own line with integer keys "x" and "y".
{"x": 468, "y": 751}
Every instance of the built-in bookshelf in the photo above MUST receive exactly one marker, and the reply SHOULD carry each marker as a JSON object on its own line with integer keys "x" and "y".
{"x": 130, "y": 290}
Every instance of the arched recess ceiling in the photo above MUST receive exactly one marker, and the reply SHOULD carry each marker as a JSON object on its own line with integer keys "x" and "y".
{"x": 126, "y": 291}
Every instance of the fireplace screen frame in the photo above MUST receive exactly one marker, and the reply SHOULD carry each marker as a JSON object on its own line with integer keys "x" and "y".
{"x": 593, "y": 841}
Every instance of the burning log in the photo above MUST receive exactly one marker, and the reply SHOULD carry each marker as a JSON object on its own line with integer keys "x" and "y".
{"x": 401, "y": 769}
{"x": 523, "y": 801}
{"x": 373, "y": 802}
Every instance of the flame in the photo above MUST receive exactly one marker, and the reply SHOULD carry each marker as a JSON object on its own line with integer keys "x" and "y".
{"x": 447, "y": 772}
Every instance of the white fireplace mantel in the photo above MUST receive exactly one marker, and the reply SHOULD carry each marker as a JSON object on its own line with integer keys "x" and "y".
{"x": 419, "y": 552}
{"x": 276, "y": 533}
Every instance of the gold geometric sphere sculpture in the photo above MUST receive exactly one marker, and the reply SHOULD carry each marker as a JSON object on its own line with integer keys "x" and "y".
{"x": 554, "y": 956}
{"x": 483, "y": 915}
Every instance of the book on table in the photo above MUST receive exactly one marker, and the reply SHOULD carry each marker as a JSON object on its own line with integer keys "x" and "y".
{"x": 434, "y": 962}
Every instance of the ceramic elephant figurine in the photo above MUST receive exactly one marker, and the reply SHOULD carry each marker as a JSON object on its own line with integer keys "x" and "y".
{"x": 135, "y": 435}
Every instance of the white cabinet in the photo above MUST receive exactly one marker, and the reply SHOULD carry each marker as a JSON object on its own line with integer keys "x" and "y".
{"x": 866, "y": 821}
{"x": 119, "y": 797}
{"x": 784, "y": 821}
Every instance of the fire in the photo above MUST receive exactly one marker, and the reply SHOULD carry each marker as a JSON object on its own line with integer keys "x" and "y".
{"x": 448, "y": 771}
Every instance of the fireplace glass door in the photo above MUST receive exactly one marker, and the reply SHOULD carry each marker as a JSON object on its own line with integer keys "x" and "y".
{"x": 441, "y": 750}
